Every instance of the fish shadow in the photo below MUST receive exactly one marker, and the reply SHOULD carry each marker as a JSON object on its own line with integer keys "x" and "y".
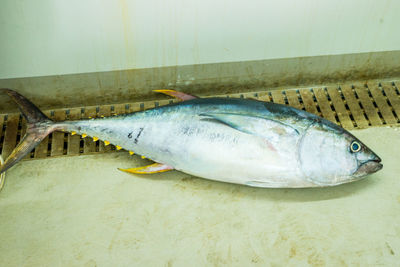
{"x": 317, "y": 193}
{"x": 196, "y": 184}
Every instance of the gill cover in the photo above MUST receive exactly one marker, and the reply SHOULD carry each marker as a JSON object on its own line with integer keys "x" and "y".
{"x": 325, "y": 157}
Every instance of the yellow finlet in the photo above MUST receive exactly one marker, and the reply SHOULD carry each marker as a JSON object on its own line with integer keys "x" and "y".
{"x": 95, "y": 138}
{"x": 149, "y": 169}
{"x": 102, "y": 116}
{"x": 131, "y": 152}
{"x": 84, "y": 135}
{"x": 106, "y": 143}
{"x": 143, "y": 157}
{"x": 73, "y": 133}
{"x": 118, "y": 147}
{"x": 90, "y": 117}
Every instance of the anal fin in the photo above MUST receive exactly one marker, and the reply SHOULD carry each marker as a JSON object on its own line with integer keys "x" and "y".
{"x": 149, "y": 169}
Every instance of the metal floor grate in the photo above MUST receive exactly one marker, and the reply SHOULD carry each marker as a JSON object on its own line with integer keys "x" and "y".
{"x": 350, "y": 105}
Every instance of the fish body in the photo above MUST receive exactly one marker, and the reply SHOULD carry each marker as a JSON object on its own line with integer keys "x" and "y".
{"x": 239, "y": 141}
{"x": 185, "y": 137}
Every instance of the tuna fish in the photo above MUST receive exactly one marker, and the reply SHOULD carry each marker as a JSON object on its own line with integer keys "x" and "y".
{"x": 238, "y": 141}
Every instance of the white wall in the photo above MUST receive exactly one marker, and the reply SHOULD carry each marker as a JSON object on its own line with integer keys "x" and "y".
{"x": 47, "y": 37}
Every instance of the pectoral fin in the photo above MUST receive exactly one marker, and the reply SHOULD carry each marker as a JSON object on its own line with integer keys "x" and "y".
{"x": 149, "y": 169}
{"x": 179, "y": 95}
{"x": 253, "y": 125}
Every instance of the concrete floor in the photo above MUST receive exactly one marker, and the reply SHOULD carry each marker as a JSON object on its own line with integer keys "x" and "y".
{"x": 82, "y": 211}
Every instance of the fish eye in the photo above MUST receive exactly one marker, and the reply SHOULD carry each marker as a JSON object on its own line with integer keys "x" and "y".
{"x": 355, "y": 147}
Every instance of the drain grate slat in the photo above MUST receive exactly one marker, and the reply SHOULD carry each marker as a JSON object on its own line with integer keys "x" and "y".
{"x": 104, "y": 111}
{"x": 136, "y": 106}
{"x": 324, "y": 104}
{"x": 383, "y": 105}
{"x": 351, "y": 106}
{"x": 42, "y": 148}
{"x": 384, "y": 108}
{"x": 10, "y": 134}
{"x": 368, "y": 106}
{"x": 340, "y": 108}
{"x": 293, "y": 99}
{"x": 277, "y": 97}
{"x": 120, "y": 108}
{"x": 89, "y": 146}
{"x": 354, "y": 107}
{"x": 264, "y": 96}
{"x": 73, "y": 146}
{"x": 148, "y": 105}
{"x": 308, "y": 101}
{"x": 393, "y": 98}
{"x": 57, "y": 146}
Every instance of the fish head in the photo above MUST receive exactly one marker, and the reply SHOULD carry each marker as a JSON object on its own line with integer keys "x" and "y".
{"x": 329, "y": 155}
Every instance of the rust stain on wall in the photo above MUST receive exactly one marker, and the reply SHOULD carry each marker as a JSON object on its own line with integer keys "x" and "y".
{"x": 128, "y": 33}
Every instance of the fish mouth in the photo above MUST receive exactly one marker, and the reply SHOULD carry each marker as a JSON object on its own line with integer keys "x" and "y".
{"x": 369, "y": 166}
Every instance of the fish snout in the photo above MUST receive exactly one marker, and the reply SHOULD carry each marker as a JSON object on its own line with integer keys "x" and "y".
{"x": 377, "y": 159}
{"x": 370, "y": 166}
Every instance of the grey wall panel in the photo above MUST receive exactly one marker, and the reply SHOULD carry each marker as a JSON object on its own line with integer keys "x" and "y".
{"x": 137, "y": 84}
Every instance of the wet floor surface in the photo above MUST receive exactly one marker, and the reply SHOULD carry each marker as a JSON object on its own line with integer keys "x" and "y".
{"x": 82, "y": 211}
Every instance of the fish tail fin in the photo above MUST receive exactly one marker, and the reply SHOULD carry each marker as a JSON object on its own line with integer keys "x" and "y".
{"x": 38, "y": 127}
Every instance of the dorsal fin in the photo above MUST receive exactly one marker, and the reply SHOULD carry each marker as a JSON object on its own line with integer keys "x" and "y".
{"x": 179, "y": 95}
